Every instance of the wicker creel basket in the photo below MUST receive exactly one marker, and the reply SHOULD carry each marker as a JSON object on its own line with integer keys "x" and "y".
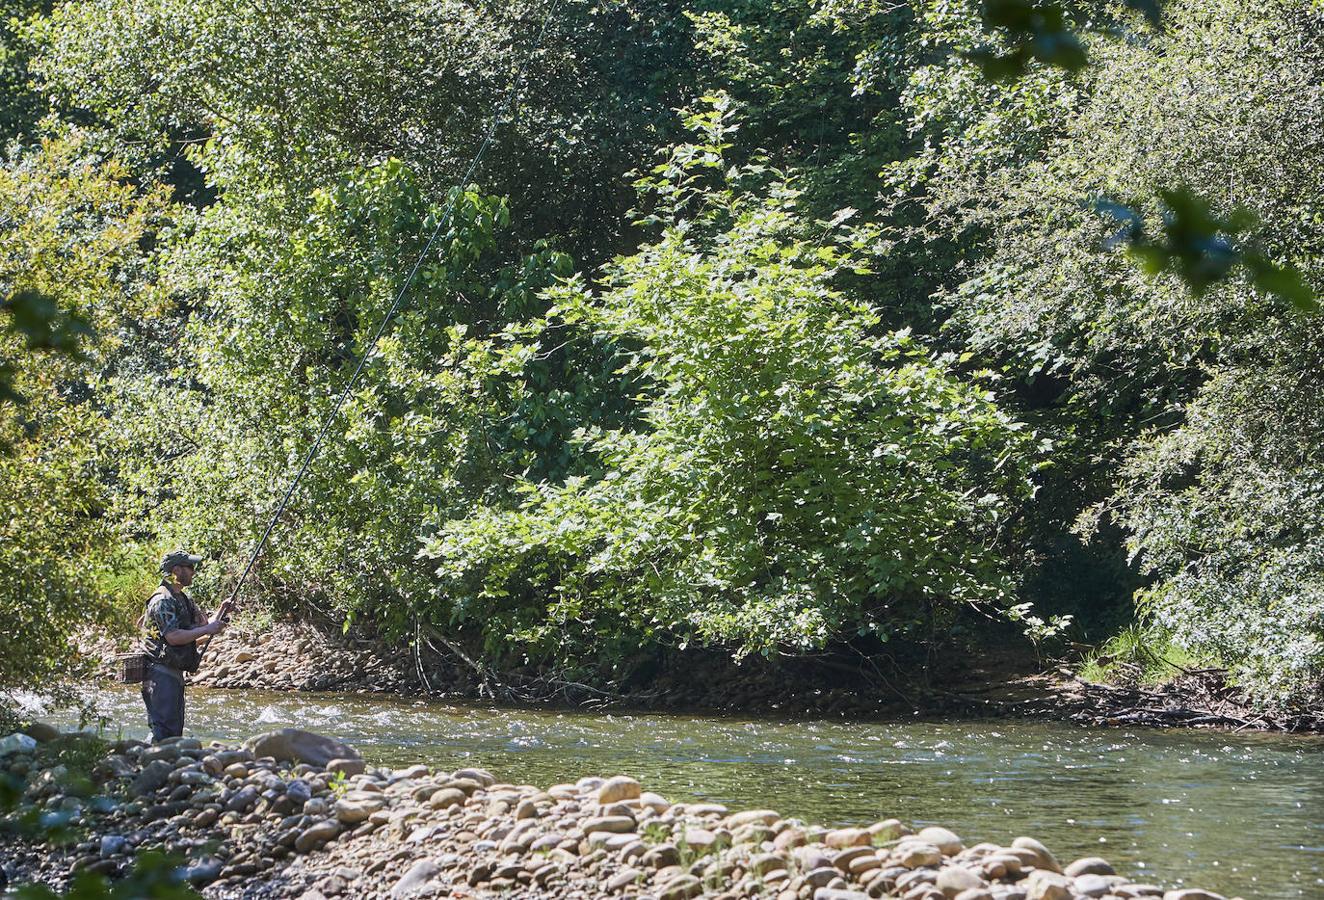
{"x": 131, "y": 668}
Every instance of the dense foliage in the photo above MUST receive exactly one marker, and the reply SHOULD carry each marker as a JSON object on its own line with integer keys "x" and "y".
{"x": 767, "y": 327}
{"x": 72, "y": 268}
{"x": 1202, "y": 409}
{"x": 795, "y": 476}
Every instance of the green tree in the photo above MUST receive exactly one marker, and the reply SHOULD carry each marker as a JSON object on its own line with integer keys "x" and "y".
{"x": 1151, "y": 385}
{"x": 20, "y": 105}
{"x": 453, "y": 405}
{"x": 796, "y": 478}
{"x": 287, "y": 96}
{"x": 70, "y": 267}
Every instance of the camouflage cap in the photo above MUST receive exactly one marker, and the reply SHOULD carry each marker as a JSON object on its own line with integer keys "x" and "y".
{"x": 179, "y": 558}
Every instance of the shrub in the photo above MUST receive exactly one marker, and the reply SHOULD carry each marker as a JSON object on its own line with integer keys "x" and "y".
{"x": 798, "y": 474}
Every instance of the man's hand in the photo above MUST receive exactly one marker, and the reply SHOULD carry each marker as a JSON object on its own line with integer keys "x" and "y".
{"x": 214, "y": 627}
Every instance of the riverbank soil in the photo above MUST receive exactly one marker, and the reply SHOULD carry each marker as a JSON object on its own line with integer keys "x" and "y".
{"x": 1001, "y": 676}
{"x": 298, "y": 815}
{"x": 297, "y": 656}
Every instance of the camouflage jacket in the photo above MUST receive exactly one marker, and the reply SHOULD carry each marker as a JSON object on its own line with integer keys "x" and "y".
{"x": 167, "y": 612}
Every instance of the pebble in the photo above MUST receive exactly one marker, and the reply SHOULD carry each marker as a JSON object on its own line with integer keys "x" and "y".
{"x": 843, "y": 859}
{"x": 826, "y": 893}
{"x": 944, "y": 840}
{"x": 351, "y": 811}
{"x": 616, "y": 824}
{"x": 624, "y": 877}
{"x": 242, "y": 800}
{"x": 416, "y": 879}
{"x": 618, "y": 788}
{"x": 975, "y": 894}
{"x": 1089, "y": 865}
{"x": 113, "y": 845}
{"x": 866, "y": 863}
{"x": 1045, "y": 885}
{"x": 347, "y": 767}
{"x": 203, "y": 873}
{"x": 706, "y": 809}
{"x": 886, "y": 830}
{"x": 752, "y": 817}
{"x": 482, "y": 777}
{"x": 1092, "y": 885}
{"x": 1044, "y": 858}
{"x": 821, "y": 876}
{"x": 955, "y": 879}
{"x": 152, "y": 778}
{"x": 315, "y": 835}
{"x": 299, "y": 792}
{"x": 764, "y": 863}
{"x": 915, "y": 878}
{"x": 680, "y": 888}
{"x": 914, "y": 854}
{"x": 661, "y": 856}
{"x": 841, "y": 838}
{"x": 698, "y": 839}
{"x": 446, "y": 798}
{"x": 655, "y": 802}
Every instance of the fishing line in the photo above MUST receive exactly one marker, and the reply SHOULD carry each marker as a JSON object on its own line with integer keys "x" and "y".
{"x": 452, "y": 199}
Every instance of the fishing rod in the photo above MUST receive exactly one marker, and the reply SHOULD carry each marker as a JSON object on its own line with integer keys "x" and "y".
{"x": 231, "y": 603}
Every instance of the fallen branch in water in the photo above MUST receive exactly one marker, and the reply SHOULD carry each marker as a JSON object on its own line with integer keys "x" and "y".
{"x": 522, "y": 689}
{"x": 1171, "y": 705}
{"x": 487, "y": 676}
{"x": 1202, "y": 699}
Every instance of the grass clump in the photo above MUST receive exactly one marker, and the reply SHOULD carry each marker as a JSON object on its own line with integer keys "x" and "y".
{"x": 1139, "y": 655}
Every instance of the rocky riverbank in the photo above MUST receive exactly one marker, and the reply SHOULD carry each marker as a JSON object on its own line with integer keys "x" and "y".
{"x": 297, "y": 815}
{"x": 291, "y": 657}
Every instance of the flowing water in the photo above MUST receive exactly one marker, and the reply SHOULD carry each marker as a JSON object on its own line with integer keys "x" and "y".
{"x": 1241, "y": 814}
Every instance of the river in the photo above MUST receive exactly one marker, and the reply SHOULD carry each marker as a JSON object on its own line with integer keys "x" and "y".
{"x": 1241, "y": 814}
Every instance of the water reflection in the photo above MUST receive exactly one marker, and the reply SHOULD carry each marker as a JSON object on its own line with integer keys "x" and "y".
{"x": 1239, "y": 814}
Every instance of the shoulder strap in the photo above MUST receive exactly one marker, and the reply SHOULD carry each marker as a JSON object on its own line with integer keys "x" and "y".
{"x": 194, "y": 610}
{"x": 142, "y": 619}
{"x": 157, "y": 645}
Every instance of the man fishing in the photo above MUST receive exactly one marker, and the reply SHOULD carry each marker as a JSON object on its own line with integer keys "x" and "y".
{"x": 174, "y": 623}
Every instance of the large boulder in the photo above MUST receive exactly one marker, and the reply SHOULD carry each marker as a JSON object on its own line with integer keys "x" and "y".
{"x": 297, "y": 745}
